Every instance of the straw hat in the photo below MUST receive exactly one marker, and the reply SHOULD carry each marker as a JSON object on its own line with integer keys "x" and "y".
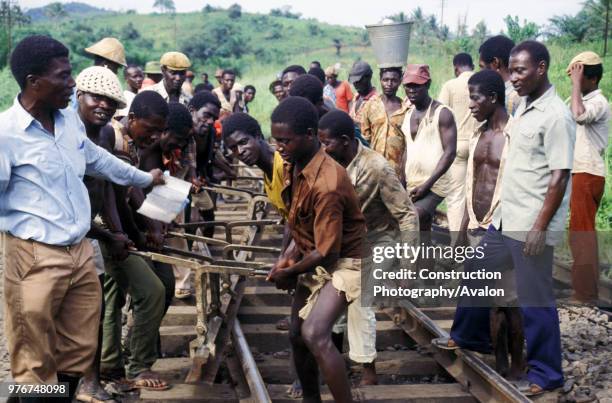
{"x": 332, "y": 71}
{"x": 152, "y": 67}
{"x": 175, "y": 61}
{"x": 101, "y": 81}
{"x": 110, "y": 49}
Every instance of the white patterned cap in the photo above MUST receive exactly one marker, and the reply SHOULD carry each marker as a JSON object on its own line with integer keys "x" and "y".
{"x": 101, "y": 81}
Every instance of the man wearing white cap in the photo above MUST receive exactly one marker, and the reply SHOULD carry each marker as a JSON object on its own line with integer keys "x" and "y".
{"x": 99, "y": 95}
{"x": 591, "y": 112}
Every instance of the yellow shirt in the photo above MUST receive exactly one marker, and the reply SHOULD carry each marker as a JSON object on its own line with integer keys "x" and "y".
{"x": 273, "y": 187}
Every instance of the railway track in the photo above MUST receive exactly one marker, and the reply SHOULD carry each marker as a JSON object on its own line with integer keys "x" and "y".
{"x": 246, "y": 358}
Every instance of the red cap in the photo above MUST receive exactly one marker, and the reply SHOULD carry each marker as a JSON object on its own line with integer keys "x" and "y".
{"x": 416, "y": 74}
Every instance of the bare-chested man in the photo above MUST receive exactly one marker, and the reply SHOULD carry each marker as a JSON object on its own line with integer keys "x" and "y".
{"x": 487, "y": 154}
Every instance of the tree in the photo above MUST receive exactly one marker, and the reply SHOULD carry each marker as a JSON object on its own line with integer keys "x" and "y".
{"x": 235, "y": 11}
{"x": 129, "y": 32}
{"x": 598, "y": 12}
{"x": 10, "y": 16}
{"x": 461, "y": 26}
{"x": 518, "y": 33}
{"x": 218, "y": 41}
{"x": 417, "y": 15}
{"x": 55, "y": 11}
{"x": 480, "y": 32}
{"x": 444, "y": 32}
{"x": 573, "y": 28}
{"x": 314, "y": 29}
{"x": 284, "y": 11}
{"x": 399, "y": 17}
{"x": 165, "y": 6}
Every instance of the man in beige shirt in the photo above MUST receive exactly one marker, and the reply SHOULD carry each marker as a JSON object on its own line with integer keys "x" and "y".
{"x": 174, "y": 67}
{"x": 494, "y": 55}
{"x": 591, "y": 112}
{"x": 455, "y": 95}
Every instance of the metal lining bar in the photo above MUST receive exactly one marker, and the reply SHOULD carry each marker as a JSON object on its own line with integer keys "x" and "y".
{"x": 206, "y": 268}
{"x": 248, "y": 248}
{"x": 473, "y": 373}
{"x": 192, "y": 237}
{"x": 259, "y": 392}
{"x": 246, "y": 223}
{"x": 184, "y": 253}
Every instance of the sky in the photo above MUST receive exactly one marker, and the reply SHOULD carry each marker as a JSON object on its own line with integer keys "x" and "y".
{"x": 360, "y": 12}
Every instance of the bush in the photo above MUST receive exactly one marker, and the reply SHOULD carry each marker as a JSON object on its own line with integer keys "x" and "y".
{"x": 235, "y": 11}
{"x": 314, "y": 29}
{"x": 218, "y": 40}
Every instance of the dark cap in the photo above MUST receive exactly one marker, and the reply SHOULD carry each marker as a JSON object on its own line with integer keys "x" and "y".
{"x": 359, "y": 70}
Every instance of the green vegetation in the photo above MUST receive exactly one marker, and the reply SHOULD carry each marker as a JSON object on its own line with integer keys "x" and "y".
{"x": 259, "y": 46}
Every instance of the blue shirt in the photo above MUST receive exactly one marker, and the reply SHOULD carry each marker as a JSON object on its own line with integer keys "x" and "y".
{"x": 42, "y": 195}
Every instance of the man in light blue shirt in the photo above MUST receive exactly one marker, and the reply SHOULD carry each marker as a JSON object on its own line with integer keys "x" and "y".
{"x": 52, "y": 294}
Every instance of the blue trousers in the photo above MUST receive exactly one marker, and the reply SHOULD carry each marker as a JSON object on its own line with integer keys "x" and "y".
{"x": 533, "y": 274}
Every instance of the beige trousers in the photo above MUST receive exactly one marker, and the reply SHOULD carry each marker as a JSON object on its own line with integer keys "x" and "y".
{"x": 181, "y": 273}
{"x": 455, "y": 199}
{"x": 52, "y": 305}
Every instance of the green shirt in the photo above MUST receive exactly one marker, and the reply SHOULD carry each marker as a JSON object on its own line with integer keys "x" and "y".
{"x": 542, "y": 139}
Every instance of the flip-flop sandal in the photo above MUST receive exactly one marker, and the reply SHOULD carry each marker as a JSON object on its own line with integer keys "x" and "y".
{"x": 295, "y": 390}
{"x": 101, "y": 396}
{"x": 283, "y": 324}
{"x": 445, "y": 343}
{"x": 529, "y": 389}
{"x": 113, "y": 375}
{"x": 149, "y": 381}
{"x": 284, "y": 354}
{"x": 182, "y": 294}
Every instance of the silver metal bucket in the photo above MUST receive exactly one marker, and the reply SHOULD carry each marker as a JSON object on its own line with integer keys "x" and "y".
{"x": 390, "y": 43}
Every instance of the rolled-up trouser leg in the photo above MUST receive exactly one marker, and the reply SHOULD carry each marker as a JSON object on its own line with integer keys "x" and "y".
{"x": 361, "y": 332}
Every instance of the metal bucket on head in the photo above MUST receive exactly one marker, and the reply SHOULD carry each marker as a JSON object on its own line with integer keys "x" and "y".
{"x": 390, "y": 43}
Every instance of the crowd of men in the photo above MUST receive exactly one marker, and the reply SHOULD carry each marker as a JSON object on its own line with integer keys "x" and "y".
{"x": 350, "y": 165}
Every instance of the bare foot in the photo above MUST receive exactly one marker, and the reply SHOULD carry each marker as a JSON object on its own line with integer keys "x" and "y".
{"x": 295, "y": 390}
{"x": 92, "y": 391}
{"x": 368, "y": 374}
